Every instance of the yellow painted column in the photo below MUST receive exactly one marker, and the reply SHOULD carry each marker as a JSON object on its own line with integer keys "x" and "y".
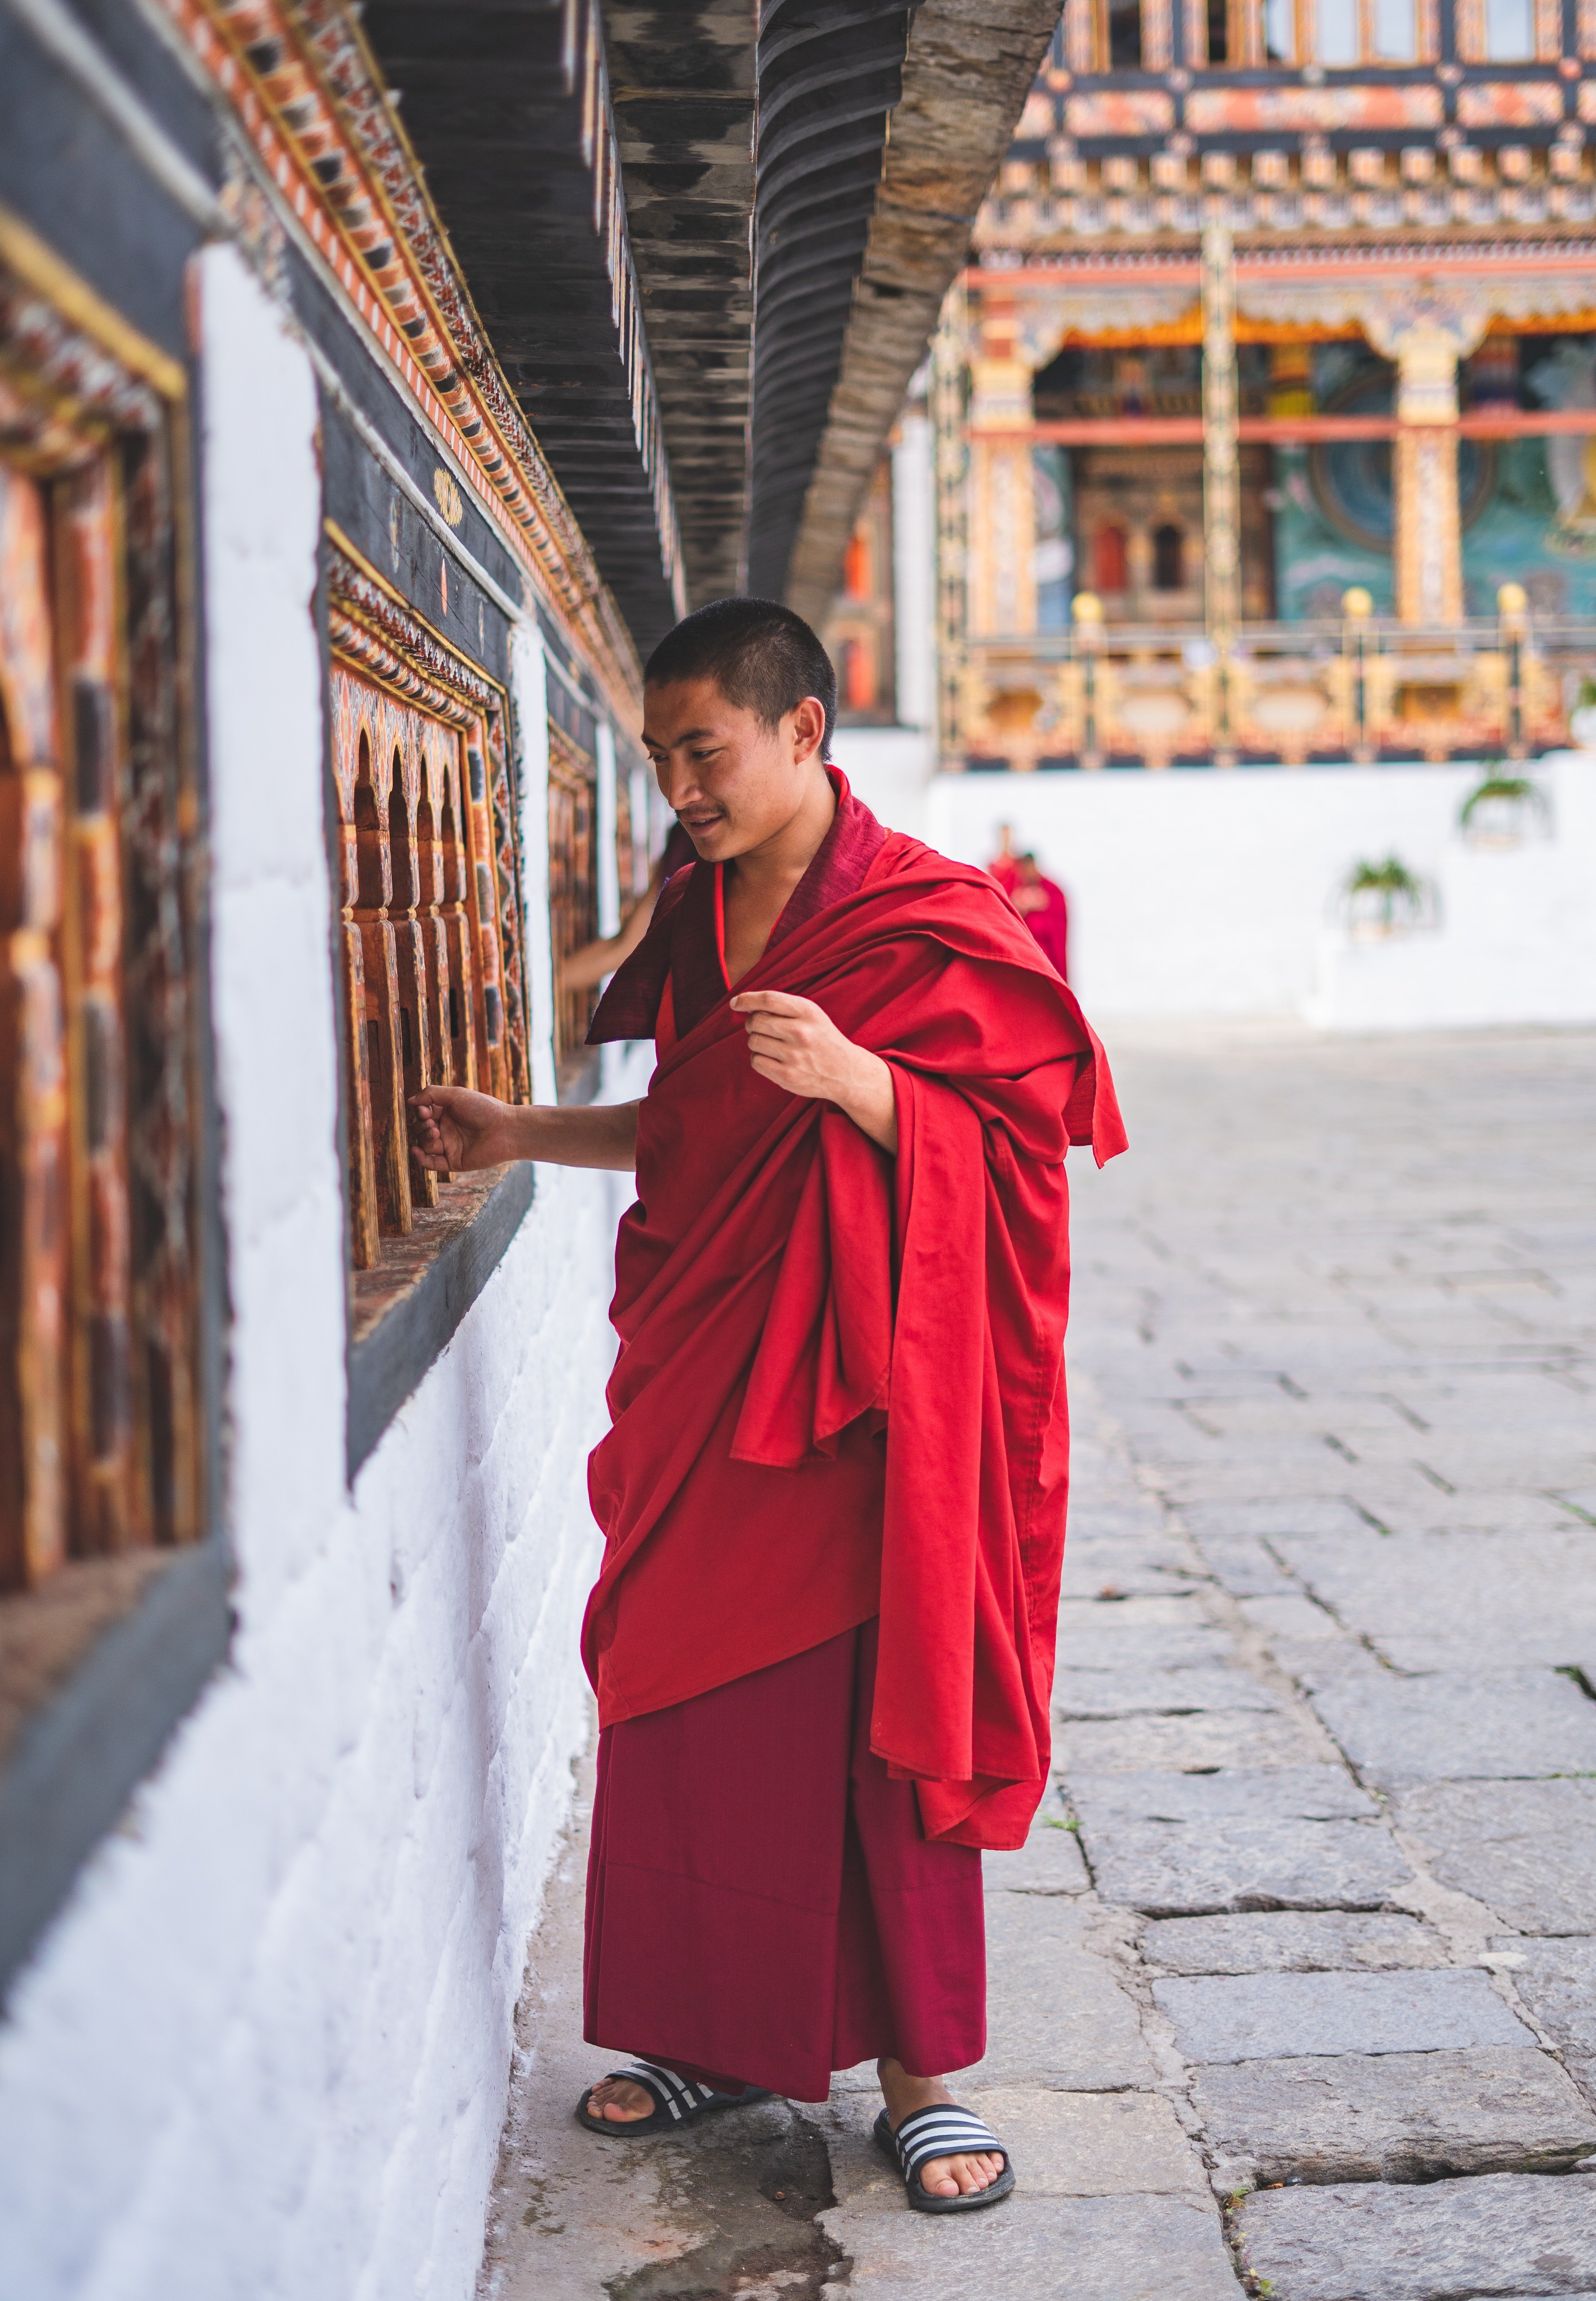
{"x": 1002, "y": 582}
{"x": 1427, "y": 535}
{"x": 1220, "y": 451}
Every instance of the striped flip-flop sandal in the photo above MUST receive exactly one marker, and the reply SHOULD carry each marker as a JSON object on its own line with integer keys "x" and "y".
{"x": 942, "y": 2130}
{"x": 678, "y": 2101}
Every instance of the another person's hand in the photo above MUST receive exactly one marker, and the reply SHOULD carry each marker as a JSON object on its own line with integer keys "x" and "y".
{"x": 453, "y": 1129}
{"x": 796, "y": 1045}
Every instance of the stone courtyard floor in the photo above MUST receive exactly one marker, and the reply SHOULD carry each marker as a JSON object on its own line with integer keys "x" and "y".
{"x": 1293, "y": 1991}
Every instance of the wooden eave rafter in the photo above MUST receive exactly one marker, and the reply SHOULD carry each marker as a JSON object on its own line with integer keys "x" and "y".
{"x": 969, "y": 66}
{"x": 312, "y": 104}
{"x": 682, "y": 83}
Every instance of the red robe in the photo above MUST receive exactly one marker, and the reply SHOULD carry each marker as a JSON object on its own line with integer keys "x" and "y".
{"x": 1049, "y": 923}
{"x": 839, "y": 1391}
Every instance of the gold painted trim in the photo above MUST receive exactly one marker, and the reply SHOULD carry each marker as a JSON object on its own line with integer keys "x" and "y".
{"x": 446, "y": 646}
{"x": 37, "y": 263}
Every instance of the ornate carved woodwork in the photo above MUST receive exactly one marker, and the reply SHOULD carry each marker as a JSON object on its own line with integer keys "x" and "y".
{"x": 572, "y": 877}
{"x": 99, "y": 1426}
{"x": 429, "y": 909}
{"x": 311, "y": 105}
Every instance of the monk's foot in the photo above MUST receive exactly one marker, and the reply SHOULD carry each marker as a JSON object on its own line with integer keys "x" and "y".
{"x": 940, "y": 2176}
{"x": 621, "y": 2101}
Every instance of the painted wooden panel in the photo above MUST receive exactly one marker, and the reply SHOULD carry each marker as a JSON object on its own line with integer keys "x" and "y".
{"x": 1282, "y": 110}
{"x": 99, "y": 1424}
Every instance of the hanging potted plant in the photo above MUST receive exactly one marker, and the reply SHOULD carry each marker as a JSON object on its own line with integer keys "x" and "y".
{"x": 1387, "y": 899}
{"x": 1503, "y": 808}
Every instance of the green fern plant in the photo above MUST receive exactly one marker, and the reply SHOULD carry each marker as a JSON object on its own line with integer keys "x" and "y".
{"x": 1520, "y": 790}
{"x": 1399, "y": 897}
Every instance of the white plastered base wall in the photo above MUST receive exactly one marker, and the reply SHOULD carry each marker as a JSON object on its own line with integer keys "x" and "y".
{"x": 1219, "y": 892}
{"x": 264, "y": 2051}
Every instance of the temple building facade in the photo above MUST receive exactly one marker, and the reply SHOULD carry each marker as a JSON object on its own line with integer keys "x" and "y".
{"x": 1267, "y": 408}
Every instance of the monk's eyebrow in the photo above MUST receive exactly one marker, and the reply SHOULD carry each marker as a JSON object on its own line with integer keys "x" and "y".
{"x": 692, "y": 735}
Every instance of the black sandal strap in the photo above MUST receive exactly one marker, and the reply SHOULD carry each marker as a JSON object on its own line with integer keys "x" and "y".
{"x": 943, "y": 2131}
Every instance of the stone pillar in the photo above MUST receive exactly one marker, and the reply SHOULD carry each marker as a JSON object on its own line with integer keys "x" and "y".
{"x": 1221, "y": 472}
{"x": 1426, "y": 534}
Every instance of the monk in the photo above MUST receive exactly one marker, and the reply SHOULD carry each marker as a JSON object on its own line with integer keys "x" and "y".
{"x": 832, "y": 1493}
{"x": 1040, "y": 903}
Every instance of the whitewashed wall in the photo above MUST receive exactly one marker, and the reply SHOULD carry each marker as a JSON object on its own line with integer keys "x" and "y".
{"x": 1217, "y": 893}
{"x": 263, "y": 2053}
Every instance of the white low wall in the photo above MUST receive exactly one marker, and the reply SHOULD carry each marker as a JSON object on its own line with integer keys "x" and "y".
{"x": 263, "y": 2055}
{"x": 1216, "y": 892}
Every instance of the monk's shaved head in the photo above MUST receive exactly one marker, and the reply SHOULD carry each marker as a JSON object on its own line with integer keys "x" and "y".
{"x": 759, "y": 654}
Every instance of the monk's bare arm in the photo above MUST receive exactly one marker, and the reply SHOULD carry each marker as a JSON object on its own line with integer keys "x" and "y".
{"x": 795, "y": 1043}
{"x": 453, "y": 1129}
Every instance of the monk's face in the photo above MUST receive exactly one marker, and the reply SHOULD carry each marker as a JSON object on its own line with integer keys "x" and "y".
{"x": 733, "y": 782}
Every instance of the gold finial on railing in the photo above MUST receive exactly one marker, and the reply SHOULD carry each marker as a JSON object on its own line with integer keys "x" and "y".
{"x": 1513, "y": 606}
{"x": 1357, "y": 607}
{"x": 1087, "y": 608}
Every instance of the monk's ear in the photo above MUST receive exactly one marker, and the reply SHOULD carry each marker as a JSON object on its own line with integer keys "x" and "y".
{"x": 808, "y": 728}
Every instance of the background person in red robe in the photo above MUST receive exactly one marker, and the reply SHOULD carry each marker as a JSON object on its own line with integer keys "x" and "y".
{"x": 832, "y": 1494}
{"x": 1040, "y": 903}
{"x": 1005, "y": 865}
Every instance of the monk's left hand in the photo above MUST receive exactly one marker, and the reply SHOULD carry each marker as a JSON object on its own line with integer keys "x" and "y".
{"x": 796, "y": 1045}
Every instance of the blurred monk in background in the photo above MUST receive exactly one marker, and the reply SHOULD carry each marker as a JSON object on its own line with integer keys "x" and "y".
{"x": 1040, "y": 903}
{"x": 833, "y": 1490}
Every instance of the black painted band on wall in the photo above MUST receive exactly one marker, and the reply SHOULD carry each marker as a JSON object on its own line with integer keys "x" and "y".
{"x": 84, "y": 1751}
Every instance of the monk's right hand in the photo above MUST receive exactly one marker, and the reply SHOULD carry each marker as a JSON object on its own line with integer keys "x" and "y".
{"x": 453, "y": 1129}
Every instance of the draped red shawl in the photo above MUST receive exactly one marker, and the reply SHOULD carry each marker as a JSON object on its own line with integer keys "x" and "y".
{"x": 839, "y": 1390}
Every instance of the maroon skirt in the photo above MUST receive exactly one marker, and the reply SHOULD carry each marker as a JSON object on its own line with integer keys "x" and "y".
{"x": 762, "y": 1904}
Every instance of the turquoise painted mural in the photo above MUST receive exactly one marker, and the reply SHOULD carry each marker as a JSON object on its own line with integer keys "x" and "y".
{"x": 1529, "y": 506}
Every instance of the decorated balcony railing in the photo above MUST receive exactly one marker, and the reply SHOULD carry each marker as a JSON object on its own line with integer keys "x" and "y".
{"x": 1363, "y": 689}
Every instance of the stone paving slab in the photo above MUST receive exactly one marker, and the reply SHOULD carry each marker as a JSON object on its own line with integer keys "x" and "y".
{"x": 1392, "y": 2117}
{"x": 1056, "y": 2015}
{"x": 1293, "y": 1619}
{"x": 1097, "y": 1644}
{"x": 1501, "y": 1724}
{"x": 1290, "y": 1941}
{"x": 1316, "y": 1792}
{"x": 1525, "y": 1849}
{"x": 1183, "y": 1845}
{"x": 1556, "y": 1980}
{"x": 1435, "y": 1602}
{"x": 1241, "y": 1564}
{"x": 1044, "y": 2249}
{"x": 1128, "y": 1565}
{"x": 1050, "y": 1861}
{"x": 1310, "y": 1468}
{"x": 1521, "y": 2235}
{"x": 1196, "y": 1742}
{"x": 1267, "y": 2016}
{"x": 1125, "y": 1693}
{"x": 1166, "y": 1610}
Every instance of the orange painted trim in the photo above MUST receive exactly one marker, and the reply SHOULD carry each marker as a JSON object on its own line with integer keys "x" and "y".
{"x": 1291, "y": 430}
{"x": 1256, "y": 266}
